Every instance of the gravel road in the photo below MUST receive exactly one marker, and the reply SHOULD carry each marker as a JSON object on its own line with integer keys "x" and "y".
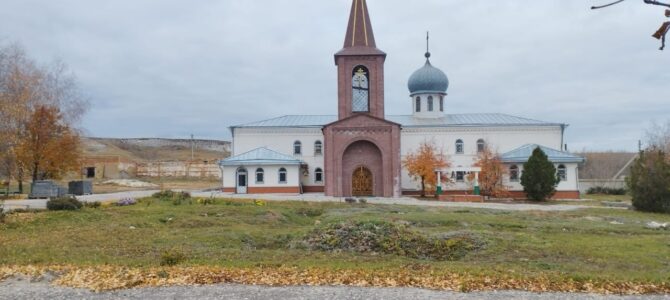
{"x": 41, "y": 204}
{"x": 17, "y": 288}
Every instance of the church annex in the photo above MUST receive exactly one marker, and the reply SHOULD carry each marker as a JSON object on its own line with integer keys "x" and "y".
{"x": 358, "y": 152}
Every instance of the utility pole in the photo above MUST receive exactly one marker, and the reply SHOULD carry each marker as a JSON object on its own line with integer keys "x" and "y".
{"x": 192, "y": 148}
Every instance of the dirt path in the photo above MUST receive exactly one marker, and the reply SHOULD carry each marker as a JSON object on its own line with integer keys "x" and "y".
{"x": 40, "y": 204}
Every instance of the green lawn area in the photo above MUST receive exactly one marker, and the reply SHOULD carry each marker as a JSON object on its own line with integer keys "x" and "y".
{"x": 577, "y": 245}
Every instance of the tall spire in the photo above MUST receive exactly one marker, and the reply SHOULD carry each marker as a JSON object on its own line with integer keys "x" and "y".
{"x": 359, "y": 31}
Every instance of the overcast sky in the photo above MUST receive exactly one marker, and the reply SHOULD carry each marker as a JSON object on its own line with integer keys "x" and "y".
{"x": 169, "y": 68}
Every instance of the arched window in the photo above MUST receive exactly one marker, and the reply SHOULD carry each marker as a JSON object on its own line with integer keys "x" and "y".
{"x": 297, "y": 148}
{"x": 417, "y": 105}
{"x": 260, "y": 175}
{"x": 513, "y": 173}
{"x": 562, "y": 173}
{"x": 282, "y": 175}
{"x": 318, "y": 175}
{"x": 360, "y": 100}
{"x": 481, "y": 145}
{"x": 441, "y": 103}
{"x": 318, "y": 148}
{"x": 430, "y": 103}
{"x": 459, "y": 146}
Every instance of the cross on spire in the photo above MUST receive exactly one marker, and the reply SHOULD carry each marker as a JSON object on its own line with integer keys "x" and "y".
{"x": 427, "y": 44}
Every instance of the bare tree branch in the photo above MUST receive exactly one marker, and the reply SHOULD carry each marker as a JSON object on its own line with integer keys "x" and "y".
{"x": 654, "y": 2}
{"x": 607, "y": 5}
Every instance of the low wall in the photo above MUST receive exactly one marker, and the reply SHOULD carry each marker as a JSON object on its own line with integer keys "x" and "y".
{"x": 586, "y": 184}
{"x": 179, "y": 169}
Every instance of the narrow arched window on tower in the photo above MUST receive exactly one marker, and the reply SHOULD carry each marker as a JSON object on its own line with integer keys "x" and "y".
{"x": 441, "y": 103}
{"x": 430, "y": 103}
{"x": 360, "y": 101}
{"x": 417, "y": 105}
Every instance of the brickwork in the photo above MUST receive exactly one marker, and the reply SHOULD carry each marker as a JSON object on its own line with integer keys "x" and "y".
{"x": 362, "y": 140}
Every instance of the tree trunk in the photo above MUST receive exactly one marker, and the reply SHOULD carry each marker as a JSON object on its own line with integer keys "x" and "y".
{"x": 423, "y": 187}
{"x": 35, "y": 171}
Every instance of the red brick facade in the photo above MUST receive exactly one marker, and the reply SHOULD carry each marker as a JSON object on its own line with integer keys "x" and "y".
{"x": 364, "y": 141}
{"x": 361, "y": 139}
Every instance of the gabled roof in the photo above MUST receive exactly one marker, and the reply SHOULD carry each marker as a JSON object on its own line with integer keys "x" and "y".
{"x": 260, "y": 156}
{"x": 449, "y": 120}
{"x": 521, "y": 155}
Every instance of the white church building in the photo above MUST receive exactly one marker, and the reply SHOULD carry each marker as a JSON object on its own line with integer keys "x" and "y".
{"x": 359, "y": 150}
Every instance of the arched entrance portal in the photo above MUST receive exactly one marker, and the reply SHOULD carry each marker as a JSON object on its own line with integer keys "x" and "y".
{"x": 362, "y": 170}
{"x": 361, "y": 182}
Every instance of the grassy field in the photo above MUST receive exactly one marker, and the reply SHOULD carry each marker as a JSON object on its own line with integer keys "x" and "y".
{"x": 578, "y": 245}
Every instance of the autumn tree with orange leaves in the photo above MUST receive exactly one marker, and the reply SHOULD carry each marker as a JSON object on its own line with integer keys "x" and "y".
{"x": 491, "y": 174}
{"x": 49, "y": 147}
{"x": 421, "y": 165}
{"x": 25, "y": 86}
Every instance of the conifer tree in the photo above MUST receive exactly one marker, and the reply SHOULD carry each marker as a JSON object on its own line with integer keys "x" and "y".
{"x": 539, "y": 178}
{"x": 649, "y": 181}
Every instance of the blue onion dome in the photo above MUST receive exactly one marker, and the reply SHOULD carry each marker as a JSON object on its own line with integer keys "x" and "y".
{"x": 428, "y": 80}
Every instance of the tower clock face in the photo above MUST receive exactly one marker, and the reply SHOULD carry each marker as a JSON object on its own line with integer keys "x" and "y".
{"x": 360, "y": 90}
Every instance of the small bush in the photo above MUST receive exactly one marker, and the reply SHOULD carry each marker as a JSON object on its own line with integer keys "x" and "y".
{"x": 93, "y": 205}
{"x": 126, "y": 202}
{"x": 177, "y": 198}
{"x": 605, "y": 191}
{"x": 64, "y": 203}
{"x": 362, "y": 201}
{"x": 389, "y": 238}
{"x": 172, "y": 257}
{"x": 165, "y": 195}
{"x": 649, "y": 182}
{"x": 205, "y": 201}
{"x": 309, "y": 212}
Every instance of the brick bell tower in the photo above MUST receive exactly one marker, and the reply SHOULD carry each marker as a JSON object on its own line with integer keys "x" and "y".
{"x": 361, "y": 148}
{"x": 360, "y": 67}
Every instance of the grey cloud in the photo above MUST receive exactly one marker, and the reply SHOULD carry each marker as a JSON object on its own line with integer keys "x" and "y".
{"x": 171, "y": 68}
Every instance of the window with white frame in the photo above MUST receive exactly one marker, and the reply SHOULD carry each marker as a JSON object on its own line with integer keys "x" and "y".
{"x": 297, "y": 148}
{"x": 459, "y": 146}
{"x": 282, "y": 175}
{"x": 260, "y": 175}
{"x": 318, "y": 175}
{"x": 417, "y": 104}
{"x": 481, "y": 145}
{"x": 562, "y": 173}
{"x": 441, "y": 103}
{"x": 318, "y": 148}
{"x": 430, "y": 103}
{"x": 514, "y": 173}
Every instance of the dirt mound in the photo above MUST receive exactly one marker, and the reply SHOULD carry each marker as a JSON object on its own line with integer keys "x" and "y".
{"x": 390, "y": 238}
